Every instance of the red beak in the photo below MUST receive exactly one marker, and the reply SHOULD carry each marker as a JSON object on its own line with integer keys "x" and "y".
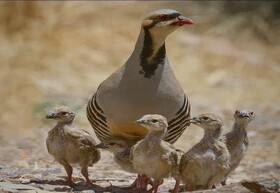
{"x": 182, "y": 21}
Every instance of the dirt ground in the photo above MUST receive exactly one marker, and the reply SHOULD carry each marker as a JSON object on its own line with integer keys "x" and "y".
{"x": 57, "y": 53}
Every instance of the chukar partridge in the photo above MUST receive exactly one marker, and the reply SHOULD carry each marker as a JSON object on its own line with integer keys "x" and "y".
{"x": 69, "y": 145}
{"x": 152, "y": 156}
{"x": 236, "y": 140}
{"x": 208, "y": 161}
{"x": 144, "y": 84}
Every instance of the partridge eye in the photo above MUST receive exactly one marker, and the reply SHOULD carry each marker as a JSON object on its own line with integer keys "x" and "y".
{"x": 154, "y": 121}
{"x": 164, "y": 17}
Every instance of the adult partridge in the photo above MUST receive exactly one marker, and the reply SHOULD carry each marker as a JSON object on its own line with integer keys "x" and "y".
{"x": 145, "y": 84}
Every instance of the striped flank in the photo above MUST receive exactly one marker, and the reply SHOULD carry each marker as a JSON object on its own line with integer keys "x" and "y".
{"x": 175, "y": 129}
{"x": 178, "y": 125}
{"x": 97, "y": 119}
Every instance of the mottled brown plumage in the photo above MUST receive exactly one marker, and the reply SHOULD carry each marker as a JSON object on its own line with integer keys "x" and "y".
{"x": 208, "y": 161}
{"x": 236, "y": 140}
{"x": 69, "y": 145}
{"x": 121, "y": 150}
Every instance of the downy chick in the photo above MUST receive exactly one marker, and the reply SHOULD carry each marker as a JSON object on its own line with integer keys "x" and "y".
{"x": 152, "y": 156}
{"x": 208, "y": 161}
{"x": 121, "y": 151}
{"x": 236, "y": 140}
{"x": 69, "y": 145}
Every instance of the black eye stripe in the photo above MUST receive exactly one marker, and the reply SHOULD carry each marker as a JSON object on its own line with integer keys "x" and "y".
{"x": 173, "y": 15}
{"x": 164, "y": 17}
{"x": 168, "y": 17}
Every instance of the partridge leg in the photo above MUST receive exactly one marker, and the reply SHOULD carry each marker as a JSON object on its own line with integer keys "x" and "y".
{"x": 224, "y": 182}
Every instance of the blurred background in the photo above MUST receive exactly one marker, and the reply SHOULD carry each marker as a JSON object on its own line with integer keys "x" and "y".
{"x": 57, "y": 53}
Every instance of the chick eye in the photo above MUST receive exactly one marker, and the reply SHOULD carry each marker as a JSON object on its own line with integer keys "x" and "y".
{"x": 164, "y": 17}
{"x": 112, "y": 143}
{"x": 154, "y": 121}
{"x": 237, "y": 112}
{"x": 251, "y": 113}
{"x": 205, "y": 118}
{"x": 64, "y": 113}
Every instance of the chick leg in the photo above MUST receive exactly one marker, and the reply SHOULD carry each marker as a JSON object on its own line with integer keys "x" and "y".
{"x": 224, "y": 182}
{"x": 84, "y": 171}
{"x": 211, "y": 183}
{"x": 176, "y": 187}
{"x": 143, "y": 181}
{"x": 69, "y": 171}
{"x": 155, "y": 186}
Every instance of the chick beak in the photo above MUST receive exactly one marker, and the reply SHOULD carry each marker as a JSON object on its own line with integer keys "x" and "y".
{"x": 194, "y": 120}
{"x": 51, "y": 115}
{"x": 140, "y": 121}
{"x": 244, "y": 115}
{"x": 182, "y": 21}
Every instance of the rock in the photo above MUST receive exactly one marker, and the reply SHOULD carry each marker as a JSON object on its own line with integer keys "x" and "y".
{"x": 231, "y": 188}
{"x": 257, "y": 185}
{"x": 37, "y": 191}
{"x": 7, "y": 185}
{"x": 1, "y": 166}
{"x": 262, "y": 185}
{"x": 266, "y": 166}
{"x": 88, "y": 191}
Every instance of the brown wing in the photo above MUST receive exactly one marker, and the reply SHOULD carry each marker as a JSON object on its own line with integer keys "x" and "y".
{"x": 81, "y": 138}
